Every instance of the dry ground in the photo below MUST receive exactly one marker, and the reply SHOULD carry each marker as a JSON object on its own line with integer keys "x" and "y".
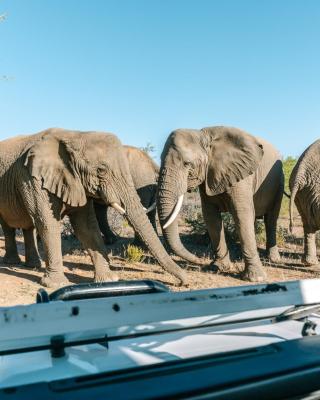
{"x": 18, "y": 285}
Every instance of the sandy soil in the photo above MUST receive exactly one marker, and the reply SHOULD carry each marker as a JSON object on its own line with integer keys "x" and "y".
{"x": 19, "y": 285}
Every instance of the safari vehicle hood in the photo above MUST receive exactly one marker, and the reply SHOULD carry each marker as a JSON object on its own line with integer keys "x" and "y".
{"x": 79, "y": 342}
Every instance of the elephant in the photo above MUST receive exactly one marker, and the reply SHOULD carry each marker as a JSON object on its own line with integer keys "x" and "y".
{"x": 144, "y": 172}
{"x": 235, "y": 173}
{"x": 305, "y": 193}
{"x": 61, "y": 172}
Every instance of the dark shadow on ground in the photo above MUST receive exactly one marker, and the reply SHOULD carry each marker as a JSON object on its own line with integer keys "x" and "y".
{"x": 19, "y": 274}
{"x": 213, "y": 268}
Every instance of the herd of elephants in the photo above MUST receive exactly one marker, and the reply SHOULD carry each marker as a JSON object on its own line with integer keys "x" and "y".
{"x": 59, "y": 172}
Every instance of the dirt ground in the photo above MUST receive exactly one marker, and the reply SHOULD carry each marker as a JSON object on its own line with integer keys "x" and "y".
{"x": 19, "y": 285}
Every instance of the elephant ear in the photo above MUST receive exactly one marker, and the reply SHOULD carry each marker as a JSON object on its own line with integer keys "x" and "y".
{"x": 50, "y": 161}
{"x": 233, "y": 156}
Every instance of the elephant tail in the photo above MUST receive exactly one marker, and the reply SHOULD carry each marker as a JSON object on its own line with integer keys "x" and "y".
{"x": 292, "y": 197}
{"x": 286, "y": 194}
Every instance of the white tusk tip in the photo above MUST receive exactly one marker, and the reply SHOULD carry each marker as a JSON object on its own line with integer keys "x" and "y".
{"x": 117, "y": 207}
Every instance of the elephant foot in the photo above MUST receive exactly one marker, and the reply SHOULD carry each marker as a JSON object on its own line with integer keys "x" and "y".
{"x": 310, "y": 260}
{"x": 223, "y": 264}
{"x": 11, "y": 259}
{"x": 179, "y": 274}
{"x": 51, "y": 280}
{"x": 34, "y": 263}
{"x": 106, "y": 276}
{"x": 183, "y": 281}
{"x": 220, "y": 264}
{"x": 254, "y": 274}
{"x": 274, "y": 255}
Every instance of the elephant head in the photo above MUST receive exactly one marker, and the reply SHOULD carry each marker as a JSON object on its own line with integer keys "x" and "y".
{"x": 75, "y": 165}
{"x": 215, "y": 158}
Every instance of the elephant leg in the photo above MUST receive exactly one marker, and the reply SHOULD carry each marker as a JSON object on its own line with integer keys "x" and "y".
{"x": 244, "y": 216}
{"x": 11, "y": 252}
{"x": 310, "y": 250}
{"x": 31, "y": 249}
{"x": 45, "y": 211}
{"x": 101, "y": 211}
{"x": 213, "y": 220}
{"x": 50, "y": 234}
{"x": 270, "y": 221}
{"x": 86, "y": 228}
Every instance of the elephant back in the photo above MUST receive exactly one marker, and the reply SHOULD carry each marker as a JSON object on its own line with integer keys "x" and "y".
{"x": 307, "y": 169}
{"x": 12, "y": 150}
{"x": 143, "y": 169}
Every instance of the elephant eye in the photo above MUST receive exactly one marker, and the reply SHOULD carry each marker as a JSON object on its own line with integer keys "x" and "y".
{"x": 187, "y": 164}
{"x": 101, "y": 169}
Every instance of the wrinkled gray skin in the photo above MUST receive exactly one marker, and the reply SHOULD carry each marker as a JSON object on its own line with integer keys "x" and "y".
{"x": 235, "y": 172}
{"x": 305, "y": 193}
{"x": 59, "y": 172}
{"x": 144, "y": 172}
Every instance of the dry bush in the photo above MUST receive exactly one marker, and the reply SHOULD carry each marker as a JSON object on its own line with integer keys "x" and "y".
{"x": 134, "y": 254}
{"x": 198, "y": 227}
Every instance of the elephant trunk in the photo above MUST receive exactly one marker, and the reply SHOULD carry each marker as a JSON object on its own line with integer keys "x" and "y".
{"x": 171, "y": 187}
{"x": 142, "y": 226}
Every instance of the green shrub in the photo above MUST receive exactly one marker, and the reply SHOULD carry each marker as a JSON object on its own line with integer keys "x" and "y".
{"x": 134, "y": 254}
{"x": 288, "y": 165}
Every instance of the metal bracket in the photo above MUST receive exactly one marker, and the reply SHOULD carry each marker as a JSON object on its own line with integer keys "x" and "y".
{"x": 309, "y": 328}
{"x": 57, "y": 346}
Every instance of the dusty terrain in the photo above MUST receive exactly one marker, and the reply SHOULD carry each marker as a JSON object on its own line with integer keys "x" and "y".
{"x": 18, "y": 285}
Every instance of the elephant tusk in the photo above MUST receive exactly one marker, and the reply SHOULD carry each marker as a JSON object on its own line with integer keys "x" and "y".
{"x": 174, "y": 213}
{"x": 151, "y": 208}
{"x": 117, "y": 207}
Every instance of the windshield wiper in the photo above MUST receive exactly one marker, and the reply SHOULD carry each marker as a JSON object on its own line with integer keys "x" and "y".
{"x": 300, "y": 313}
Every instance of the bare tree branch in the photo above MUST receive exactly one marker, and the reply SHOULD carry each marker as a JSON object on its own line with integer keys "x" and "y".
{"x": 6, "y": 78}
{"x": 3, "y": 16}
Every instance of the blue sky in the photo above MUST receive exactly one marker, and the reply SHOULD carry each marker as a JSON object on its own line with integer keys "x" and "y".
{"x": 143, "y": 68}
